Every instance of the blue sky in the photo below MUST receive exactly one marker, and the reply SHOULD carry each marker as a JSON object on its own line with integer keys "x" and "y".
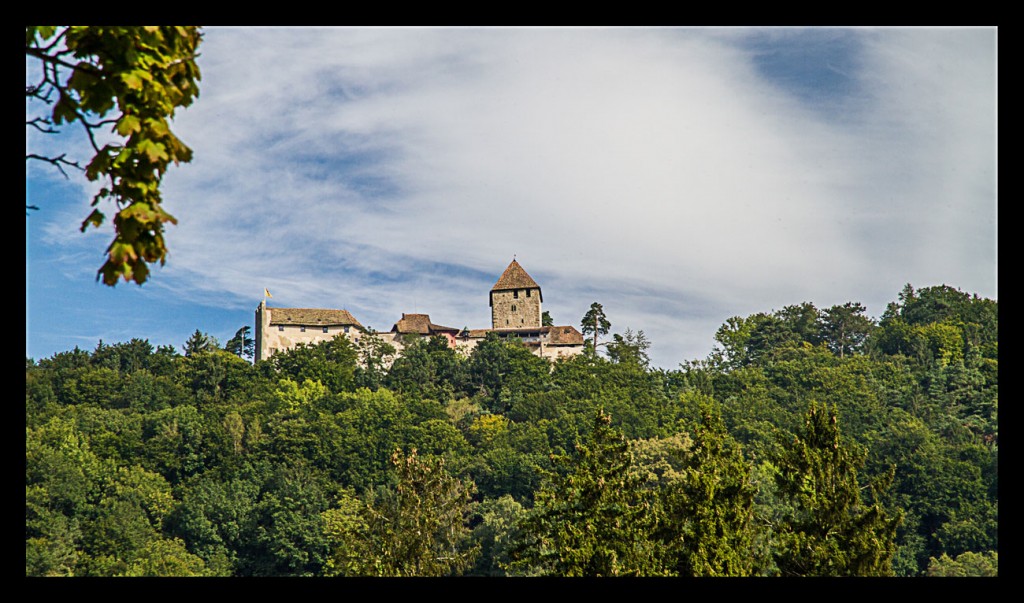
{"x": 678, "y": 176}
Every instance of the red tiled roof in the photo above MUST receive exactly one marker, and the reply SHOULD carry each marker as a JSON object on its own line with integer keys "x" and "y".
{"x": 312, "y": 317}
{"x": 515, "y": 277}
{"x": 434, "y": 328}
{"x": 420, "y": 324}
{"x": 564, "y": 335}
{"x": 413, "y": 323}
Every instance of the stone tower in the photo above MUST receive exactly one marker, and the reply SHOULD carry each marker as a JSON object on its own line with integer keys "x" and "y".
{"x": 515, "y": 300}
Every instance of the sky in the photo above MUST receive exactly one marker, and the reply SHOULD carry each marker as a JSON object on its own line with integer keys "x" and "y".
{"x": 677, "y": 176}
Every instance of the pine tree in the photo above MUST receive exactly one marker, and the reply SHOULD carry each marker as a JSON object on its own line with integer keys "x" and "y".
{"x": 242, "y": 344}
{"x": 707, "y": 528}
{"x": 593, "y": 519}
{"x": 595, "y": 322}
{"x": 830, "y": 530}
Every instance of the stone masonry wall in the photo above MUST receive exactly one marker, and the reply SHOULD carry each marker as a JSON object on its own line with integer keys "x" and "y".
{"x": 511, "y": 312}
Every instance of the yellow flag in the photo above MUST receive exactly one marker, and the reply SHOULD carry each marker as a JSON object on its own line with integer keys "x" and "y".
{"x": 267, "y": 292}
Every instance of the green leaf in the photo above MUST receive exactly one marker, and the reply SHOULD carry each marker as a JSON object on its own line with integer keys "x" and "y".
{"x": 128, "y": 124}
{"x": 64, "y": 109}
{"x": 154, "y": 151}
{"x": 99, "y": 164}
{"x": 139, "y": 211}
{"x": 120, "y": 251}
{"x": 132, "y": 80}
{"x": 141, "y": 272}
{"x": 95, "y": 219}
{"x": 158, "y": 126}
{"x": 122, "y": 156}
{"x": 31, "y": 31}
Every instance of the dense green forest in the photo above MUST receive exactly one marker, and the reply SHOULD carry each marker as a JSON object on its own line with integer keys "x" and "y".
{"x": 811, "y": 442}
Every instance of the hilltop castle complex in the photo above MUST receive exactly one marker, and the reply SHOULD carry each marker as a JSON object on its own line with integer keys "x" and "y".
{"x": 515, "y": 302}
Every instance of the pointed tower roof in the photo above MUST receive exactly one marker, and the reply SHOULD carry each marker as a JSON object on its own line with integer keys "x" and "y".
{"x": 515, "y": 277}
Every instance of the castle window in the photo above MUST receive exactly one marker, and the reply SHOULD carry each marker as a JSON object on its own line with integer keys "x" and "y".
{"x": 280, "y": 327}
{"x": 303, "y": 329}
{"x": 528, "y": 293}
{"x": 515, "y": 294}
{"x": 513, "y": 307}
{"x": 325, "y": 329}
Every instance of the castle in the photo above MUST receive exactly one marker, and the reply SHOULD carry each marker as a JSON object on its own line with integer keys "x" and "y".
{"x": 515, "y": 302}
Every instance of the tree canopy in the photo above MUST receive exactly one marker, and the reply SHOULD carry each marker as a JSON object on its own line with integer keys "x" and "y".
{"x": 793, "y": 450}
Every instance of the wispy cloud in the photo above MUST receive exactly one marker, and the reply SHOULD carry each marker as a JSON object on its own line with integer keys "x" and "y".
{"x": 666, "y": 173}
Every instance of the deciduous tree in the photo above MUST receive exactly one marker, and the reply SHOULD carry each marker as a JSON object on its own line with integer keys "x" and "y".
{"x": 846, "y": 327}
{"x": 630, "y": 348}
{"x": 132, "y": 80}
{"x": 375, "y": 357}
{"x": 966, "y": 565}
{"x": 417, "y": 528}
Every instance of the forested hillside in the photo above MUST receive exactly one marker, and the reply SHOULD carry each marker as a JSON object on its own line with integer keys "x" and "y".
{"x": 811, "y": 442}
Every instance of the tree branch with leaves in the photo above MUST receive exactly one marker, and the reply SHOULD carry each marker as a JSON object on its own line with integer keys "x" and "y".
{"x": 130, "y": 79}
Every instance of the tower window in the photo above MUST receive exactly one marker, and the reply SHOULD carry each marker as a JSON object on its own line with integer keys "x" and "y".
{"x": 515, "y": 294}
{"x": 527, "y": 293}
{"x": 280, "y": 327}
{"x": 325, "y": 329}
{"x": 303, "y": 329}
{"x": 513, "y": 307}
